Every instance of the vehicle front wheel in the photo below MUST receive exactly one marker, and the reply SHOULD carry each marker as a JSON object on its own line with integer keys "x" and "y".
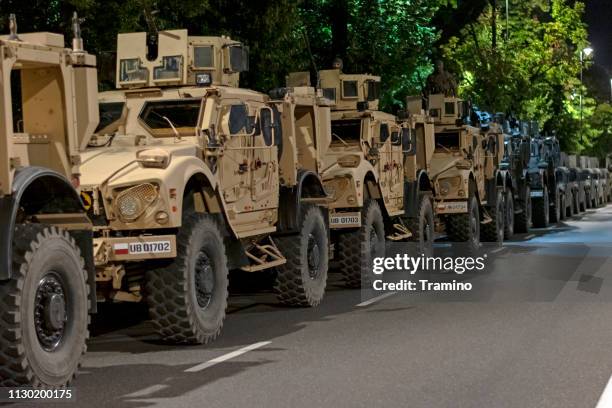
{"x": 523, "y": 218}
{"x": 541, "y": 210}
{"x": 302, "y": 280}
{"x": 493, "y": 231}
{"x": 555, "y": 214}
{"x": 422, "y": 227}
{"x": 357, "y": 249}
{"x": 44, "y": 309}
{"x": 188, "y": 298}
{"x": 464, "y": 229}
{"x": 509, "y": 211}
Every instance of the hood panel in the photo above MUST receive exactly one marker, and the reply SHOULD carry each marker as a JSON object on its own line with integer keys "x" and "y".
{"x": 98, "y": 164}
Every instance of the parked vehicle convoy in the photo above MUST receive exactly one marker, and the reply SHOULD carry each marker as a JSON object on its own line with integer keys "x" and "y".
{"x": 190, "y": 176}
{"x": 47, "y": 289}
{"x": 545, "y": 190}
{"x": 515, "y": 163}
{"x": 576, "y": 186}
{"x": 562, "y": 177}
{"x": 607, "y": 185}
{"x": 599, "y": 187}
{"x": 589, "y": 187}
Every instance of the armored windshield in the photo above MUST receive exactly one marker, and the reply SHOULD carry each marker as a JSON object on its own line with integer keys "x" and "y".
{"x": 110, "y": 112}
{"x": 159, "y": 117}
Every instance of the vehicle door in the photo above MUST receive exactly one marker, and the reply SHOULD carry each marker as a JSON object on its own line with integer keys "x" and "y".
{"x": 249, "y": 168}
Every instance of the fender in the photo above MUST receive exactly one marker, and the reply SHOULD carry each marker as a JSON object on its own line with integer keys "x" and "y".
{"x": 290, "y": 203}
{"x": 176, "y": 175}
{"x": 9, "y": 205}
{"x": 412, "y": 190}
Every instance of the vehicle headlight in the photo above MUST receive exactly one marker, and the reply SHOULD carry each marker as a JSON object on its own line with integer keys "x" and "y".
{"x": 132, "y": 202}
{"x": 445, "y": 187}
{"x": 449, "y": 184}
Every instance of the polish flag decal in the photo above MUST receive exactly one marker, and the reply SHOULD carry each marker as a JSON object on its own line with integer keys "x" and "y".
{"x": 121, "y": 249}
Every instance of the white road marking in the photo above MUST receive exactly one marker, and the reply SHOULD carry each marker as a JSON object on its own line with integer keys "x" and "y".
{"x": 147, "y": 391}
{"x": 375, "y": 299}
{"x": 530, "y": 236}
{"x": 226, "y": 357}
{"x": 496, "y": 250}
{"x": 605, "y": 401}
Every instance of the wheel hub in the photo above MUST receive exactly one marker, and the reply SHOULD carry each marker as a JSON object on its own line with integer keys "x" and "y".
{"x": 204, "y": 279}
{"x": 50, "y": 313}
{"x": 314, "y": 257}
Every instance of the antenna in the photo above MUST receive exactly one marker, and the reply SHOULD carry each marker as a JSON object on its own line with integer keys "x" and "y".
{"x": 77, "y": 40}
{"x": 152, "y": 33}
{"x": 13, "y": 28}
{"x": 150, "y": 19}
{"x": 312, "y": 60}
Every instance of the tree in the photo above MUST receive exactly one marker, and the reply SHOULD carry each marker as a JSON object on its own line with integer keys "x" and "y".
{"x": 534, "y": 72}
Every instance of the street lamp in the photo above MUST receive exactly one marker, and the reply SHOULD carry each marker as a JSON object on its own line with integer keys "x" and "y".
{"x": 584, "y": 53}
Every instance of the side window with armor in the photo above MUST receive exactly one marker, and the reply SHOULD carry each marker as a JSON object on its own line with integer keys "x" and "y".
{"x": 384, "y": 132}
{"x": 269, "y": 118}
{"x": 396, "y": 139}
{"x": 239, "y": 121}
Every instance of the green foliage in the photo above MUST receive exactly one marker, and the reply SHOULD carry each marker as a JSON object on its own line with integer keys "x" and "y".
{"x": 392, "y": 38}
{"x": 532, "y": 73}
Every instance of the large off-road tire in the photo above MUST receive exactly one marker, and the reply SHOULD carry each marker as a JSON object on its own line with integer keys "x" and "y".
{"x": 44, "y": 309}
{"x": 555, "y": 213}
{"x": 464, "y": 229}
{"x": 187, "y": 299}
{"x": 583, "y": 204}
{"x": 509, "y": 212}
{"x": 358, "y": 248}
{"x": 302, "y": 280}
{"x": 568, "y": 203}
{"x": 422, "y": 226}
{"x": 589, "y": 201}
{"x": 494, "y": 231}
{"x": 522, "y": 221}
{"x": 541, "y": 210}
{"x": 575, "y": 206}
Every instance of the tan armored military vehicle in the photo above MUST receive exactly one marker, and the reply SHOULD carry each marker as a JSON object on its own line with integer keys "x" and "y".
{"x": 192, "y": 177}
{"x": 465, "y": 167}
{"x": 48, "y": 110}
{"x": 363, "y": 170}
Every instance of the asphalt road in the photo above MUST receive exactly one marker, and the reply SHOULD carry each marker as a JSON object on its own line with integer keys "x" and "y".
{"x": 525, "y": 346}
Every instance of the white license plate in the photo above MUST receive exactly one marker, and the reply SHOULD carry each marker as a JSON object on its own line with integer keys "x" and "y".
{"x": 345, "y": 220}
{"x": 458, "y": 207}
{"x": 537, "y": 193}
{"x": 137, "y": 248}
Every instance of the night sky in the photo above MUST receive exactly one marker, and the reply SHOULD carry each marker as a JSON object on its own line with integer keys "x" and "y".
{"x": 599, "y": 19}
